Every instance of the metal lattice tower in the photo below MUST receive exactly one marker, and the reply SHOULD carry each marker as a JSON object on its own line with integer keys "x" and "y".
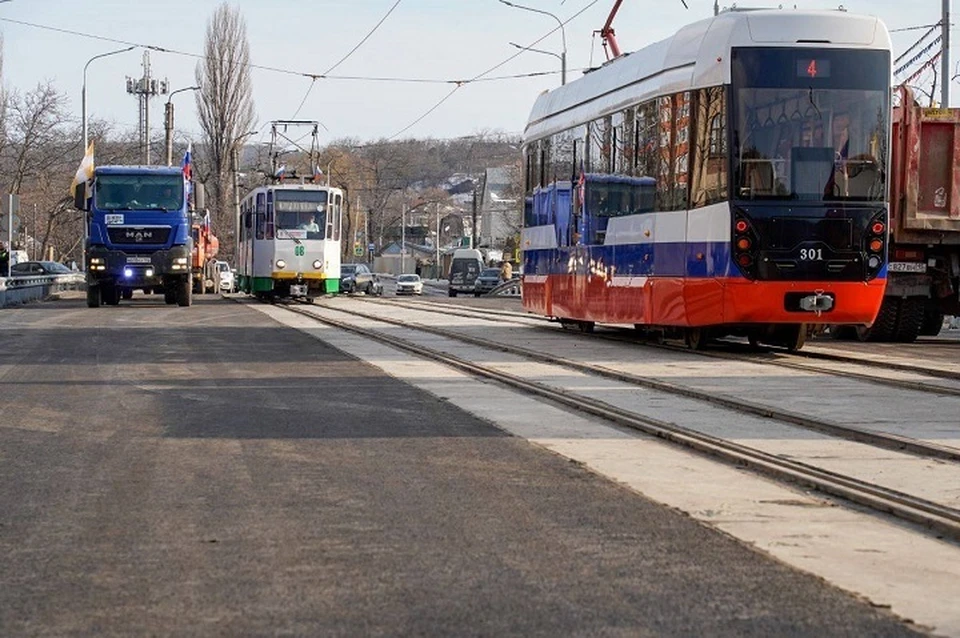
{"x": 145, "y": 88}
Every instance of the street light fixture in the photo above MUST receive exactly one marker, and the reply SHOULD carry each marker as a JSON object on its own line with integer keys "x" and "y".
{"x": 563, "y": 35}
{"x": 523, "y": 48}
{"x": 168, "y": 121}
{"x": 83, "y": 89}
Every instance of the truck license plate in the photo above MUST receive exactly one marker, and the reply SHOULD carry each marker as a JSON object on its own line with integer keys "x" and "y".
{"x": 138, "y": 260}
{"x": 907, "y": 266}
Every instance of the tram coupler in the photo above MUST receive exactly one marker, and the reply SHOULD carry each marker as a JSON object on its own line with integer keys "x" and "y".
{"x": 817, "y": 302}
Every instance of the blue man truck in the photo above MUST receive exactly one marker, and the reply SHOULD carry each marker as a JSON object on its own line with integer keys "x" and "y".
{"x": 139, "y": 237}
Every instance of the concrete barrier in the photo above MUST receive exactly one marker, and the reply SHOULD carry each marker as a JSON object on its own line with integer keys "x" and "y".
{"x": 20, "y": 290}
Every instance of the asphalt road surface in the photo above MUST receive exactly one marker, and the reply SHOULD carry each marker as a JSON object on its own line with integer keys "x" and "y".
{"x": 200, "y": 471}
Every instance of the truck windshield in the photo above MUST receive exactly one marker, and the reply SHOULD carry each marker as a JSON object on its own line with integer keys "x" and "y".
{"x": 810, "y": 124}
{"x": 139, "y": 192}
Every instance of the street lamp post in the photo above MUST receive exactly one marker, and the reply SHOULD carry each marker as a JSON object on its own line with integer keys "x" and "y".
{"x": 403, "y": 237}
{"x": 563, "y": 36}
{"x": 235, "y": 157}
{"x": 168, "y": 121}
{"x": 83, "y": 125}
{"x": 83, "y": 90}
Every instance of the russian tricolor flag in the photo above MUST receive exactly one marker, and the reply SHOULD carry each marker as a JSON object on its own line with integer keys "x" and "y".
{"x": 187, "y": 167}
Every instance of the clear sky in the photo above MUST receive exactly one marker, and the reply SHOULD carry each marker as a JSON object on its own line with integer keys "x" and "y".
{"x": 421, "y": 39}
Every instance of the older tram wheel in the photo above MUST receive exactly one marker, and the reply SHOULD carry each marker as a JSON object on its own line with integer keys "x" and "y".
{"x": 586, "y": 326}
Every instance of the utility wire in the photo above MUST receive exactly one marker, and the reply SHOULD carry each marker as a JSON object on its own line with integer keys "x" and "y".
{"x": 917, "y": 28}
{"x": 313, "y": 80}
{"x": 273, "y": 69}
{"x": 488, "y": 71}
{"x": 916, "y": 44}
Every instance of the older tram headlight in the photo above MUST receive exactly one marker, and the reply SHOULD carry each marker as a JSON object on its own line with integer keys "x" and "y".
{"x": 281, "y": 264}
{"x": 317, "y": 263}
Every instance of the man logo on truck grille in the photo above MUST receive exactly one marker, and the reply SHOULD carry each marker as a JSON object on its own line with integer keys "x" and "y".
{"x": 139, "y": 235}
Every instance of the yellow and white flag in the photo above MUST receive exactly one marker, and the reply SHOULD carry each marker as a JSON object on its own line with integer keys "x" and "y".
{"x": 85, "y": 171}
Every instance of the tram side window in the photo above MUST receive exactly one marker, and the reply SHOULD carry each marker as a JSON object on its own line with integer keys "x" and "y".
{"x": 646, "y": 140}
{"x": 625, "y": 139}
{"x": 333, "y": 220}
{"x": 709, "y": 172}
{"x": 681, "y": 149}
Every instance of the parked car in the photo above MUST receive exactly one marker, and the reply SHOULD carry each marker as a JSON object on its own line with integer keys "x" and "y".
{"x": 39, "y": 269}
{"x": 487, "y": 280}
{"x": 359, "y": 278}
{"x": 409, "y": 285}
{"x": 227, "y": 277}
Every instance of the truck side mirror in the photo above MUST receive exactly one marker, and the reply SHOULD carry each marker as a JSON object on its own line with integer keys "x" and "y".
{"x": 80, "y": 197}
{"x": 199, "y": 196}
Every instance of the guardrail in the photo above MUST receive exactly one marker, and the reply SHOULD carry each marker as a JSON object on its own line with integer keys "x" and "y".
{"x": 20, "y": 290}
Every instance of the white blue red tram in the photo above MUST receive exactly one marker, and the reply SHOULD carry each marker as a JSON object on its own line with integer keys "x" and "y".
{"x": 289, "y": 241}
{"x": 728, "y": 180}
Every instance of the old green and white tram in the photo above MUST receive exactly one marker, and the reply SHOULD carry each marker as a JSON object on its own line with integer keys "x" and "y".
{"x": 289, "y": 244}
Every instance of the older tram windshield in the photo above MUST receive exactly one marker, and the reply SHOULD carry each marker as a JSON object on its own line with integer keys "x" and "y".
{"x": 810, "y": 124}
{"x": 301, "y": 210}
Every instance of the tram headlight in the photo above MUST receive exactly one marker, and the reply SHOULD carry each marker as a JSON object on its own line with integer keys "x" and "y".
{"x": 281, "y": 264}
{"x": 317, "y": 264}
{"x": 873, "y": 262}
{"x": 876, "y": 245}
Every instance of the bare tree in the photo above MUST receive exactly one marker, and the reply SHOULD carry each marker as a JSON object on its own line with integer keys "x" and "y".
{"x": 225, "y": 108}
{"x": 35, "y": 134}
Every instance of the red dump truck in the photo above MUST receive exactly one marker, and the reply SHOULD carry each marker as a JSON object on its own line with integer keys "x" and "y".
{"x": 924, "y": 251}
{"x": 206, "y": 278}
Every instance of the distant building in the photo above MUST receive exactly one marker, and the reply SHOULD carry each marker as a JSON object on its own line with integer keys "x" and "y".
{"x": 500, "y": 214}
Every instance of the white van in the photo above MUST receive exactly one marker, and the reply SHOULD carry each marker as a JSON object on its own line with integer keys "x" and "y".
{"x": 466, "y": 266}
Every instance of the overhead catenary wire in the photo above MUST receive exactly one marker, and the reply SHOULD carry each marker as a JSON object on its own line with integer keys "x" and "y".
{"x": 274, "y": 69}
{"x": 488, "y": 71}
{"x": 313, "y": 80}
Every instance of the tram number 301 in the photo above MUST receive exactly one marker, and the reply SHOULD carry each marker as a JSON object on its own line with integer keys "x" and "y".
{"x": 811, "y": 254}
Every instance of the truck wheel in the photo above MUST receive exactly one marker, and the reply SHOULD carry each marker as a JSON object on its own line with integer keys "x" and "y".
{"x": 93, "y": 296}
{"x": 452, "y": 293}
{"x": 110, "y": 294}
{"x": 185, "y": 291}
{"x": 884, "y": 325}
{"x": 909, "y": 320}
{"x": 127, "y": 293}
{"x": 932, "y": 320}
{"x": 169, "y": 296}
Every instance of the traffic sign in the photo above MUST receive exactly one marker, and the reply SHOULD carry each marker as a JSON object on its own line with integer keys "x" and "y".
{"x": 358, "y": 251}
{"x": 4, "y": 228}
{"x": 371, "y": 246}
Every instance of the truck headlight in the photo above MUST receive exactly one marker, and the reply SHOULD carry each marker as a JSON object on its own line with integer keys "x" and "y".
{"x": 180, "y": 260}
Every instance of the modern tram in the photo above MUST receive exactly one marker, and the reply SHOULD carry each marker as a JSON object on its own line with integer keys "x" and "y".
{"x": 289, "y": 244}
{"x": 731, "y": 179}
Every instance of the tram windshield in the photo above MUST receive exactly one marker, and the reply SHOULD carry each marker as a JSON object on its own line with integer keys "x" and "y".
{"x": 301, "y": 211}
{"x": 139, "y": 192}
{"x": 810, "y": 124}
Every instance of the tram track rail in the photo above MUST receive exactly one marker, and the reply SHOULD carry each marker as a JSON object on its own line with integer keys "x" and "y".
{"x": 938, "y": 518}
{"x": 878, "y": 439}
{"x": 789, "y": 360}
